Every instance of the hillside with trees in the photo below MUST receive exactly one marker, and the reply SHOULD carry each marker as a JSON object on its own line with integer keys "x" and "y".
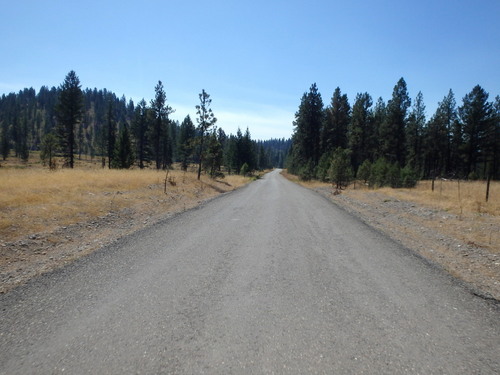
{"x": 391, "y": 143}
{"x": 69, "y": 122}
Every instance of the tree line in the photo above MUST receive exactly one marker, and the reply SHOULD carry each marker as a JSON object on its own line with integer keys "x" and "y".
{"x": 393, "y": 143}
{"x": 68, "y": 122}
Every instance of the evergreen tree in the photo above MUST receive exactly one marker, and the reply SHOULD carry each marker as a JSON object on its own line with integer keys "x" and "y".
{"x": 110, "y": 134}
{"x": 123, "y": 154}
{"x": 306, "y": 150}
{"x": 437, "y": 138}
{"x": 477, "y": 118}
{"x": 4, "y": 143}
{"x": 263, "y": 159}
{"x": 247, "y": 151}
{"x": 69, "y": 111}
{"x": 495, "y": 167}
{"x": 140, "y": 127}
{"x": 337, "y": 119}
{"x": 322, "y": 171}
{"x": 379, "y": 114}
{"x": 160, "y": 139}
{"x": 416, "y": 123}
{"x": 364, "y": 171}
{"x": 49, "y": 149}
{"x": 205, "y": 120}
{"x": 213, "y": 155}
{"x": 393, "y": 128}
{"x": 187, "y": 135}
{"x": 167, "y": 145}
{"x": 340, "y": 171}
{"x": 360, "y": 131}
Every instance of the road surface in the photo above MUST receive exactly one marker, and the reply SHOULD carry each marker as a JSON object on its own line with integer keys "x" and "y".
{"x": 270, "y": 279}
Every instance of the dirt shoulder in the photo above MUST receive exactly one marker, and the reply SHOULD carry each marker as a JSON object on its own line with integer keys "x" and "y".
{"x": 41, "y": 252}
{"x": 466, "y": 246}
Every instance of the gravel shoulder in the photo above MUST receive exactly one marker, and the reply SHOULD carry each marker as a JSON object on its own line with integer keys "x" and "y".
{"x": 438, "y": 236}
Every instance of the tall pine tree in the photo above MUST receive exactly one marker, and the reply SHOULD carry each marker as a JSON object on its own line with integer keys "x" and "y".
{"x": 478, "y": 124}
{"x": 69, "y": 111}
{"x": 337, "y": 119}
{"x": 306, "y": 150}
{"x": 205, "y": 119}
{"x": 360, "y": 132}
{"x": 393, "y": 128}
{"x": 160, "y": 135}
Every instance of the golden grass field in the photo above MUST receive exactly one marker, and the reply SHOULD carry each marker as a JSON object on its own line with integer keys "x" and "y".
{"x": 34, "y": 199}
{"x": 458, "y": 197}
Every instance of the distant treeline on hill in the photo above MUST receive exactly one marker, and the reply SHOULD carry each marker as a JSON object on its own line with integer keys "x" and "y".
{"x": 392, "y": 143}
{"x": 67, "y": 121}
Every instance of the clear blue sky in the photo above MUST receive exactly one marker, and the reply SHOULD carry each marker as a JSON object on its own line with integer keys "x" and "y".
{"x": 255, "y": 58}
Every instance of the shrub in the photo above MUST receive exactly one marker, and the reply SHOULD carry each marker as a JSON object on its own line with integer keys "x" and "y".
{"x": 306, "y": 173}
{"x": 340, "y": 171}
{"x": 364, "y": 171}
{"x": 408, "y": 177}
{"x": 245, "y": 169}
{"x": 323, "y": 166}
{"x": 378, "y": 173}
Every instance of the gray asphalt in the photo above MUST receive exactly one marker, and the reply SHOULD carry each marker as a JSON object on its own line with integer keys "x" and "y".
{"x": 270, "y": 279}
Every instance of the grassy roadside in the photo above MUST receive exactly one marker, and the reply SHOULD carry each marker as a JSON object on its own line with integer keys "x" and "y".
{"x": 35, "y": 199}
{"x": 457, "y": 197}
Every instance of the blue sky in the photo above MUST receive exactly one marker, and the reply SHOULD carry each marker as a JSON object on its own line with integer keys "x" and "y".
{"x": 254, "y": 58}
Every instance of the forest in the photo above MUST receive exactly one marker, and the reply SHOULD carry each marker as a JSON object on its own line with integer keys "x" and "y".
{"x": 68, "y": 122}
{"x": 393, "y": 144}
{"x": 381, "y": 143}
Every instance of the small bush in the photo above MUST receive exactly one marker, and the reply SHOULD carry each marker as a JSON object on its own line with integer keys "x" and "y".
{"x": 364, "y": 171}
{"x": 306, "y": 173}
{"x": 408, "y": 177}
{"x": 245, "y": 169}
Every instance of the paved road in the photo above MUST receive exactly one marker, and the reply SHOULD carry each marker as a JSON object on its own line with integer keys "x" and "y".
{"x": 269, "y": 279}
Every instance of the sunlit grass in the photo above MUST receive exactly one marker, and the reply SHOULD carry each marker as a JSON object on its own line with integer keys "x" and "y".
{"x": 35, "y": 199}
{"x": 458, "y": 197}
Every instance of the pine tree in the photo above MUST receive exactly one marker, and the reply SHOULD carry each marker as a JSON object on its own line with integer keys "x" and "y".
{"x": 306, "y": 150}
{"x": 340, "y": 171}
{"x": 337, "y": 119}
{"x": 477, "y": 119}
{"x": 140, "y": 127}
{"x": 49, "y": 149}
{"x": 360, "y": 131}
{"x": 437, "y": 138}
{"x": 5, "y": 141}
{"x": 123, "y": 154}
{"x": 69, "y": 111}
{"x": 205, "y": 120}
{"x": 495, "y": 167}
{"x": 392, "y": 130}
{"x": 159, "y": 136}
{"x": 110, "y": 134}
{"x": 379, "y": 114}
{"x": 213, "y": 155}
{"x": 187, "y": 135}
{"x": 414, "y": 129}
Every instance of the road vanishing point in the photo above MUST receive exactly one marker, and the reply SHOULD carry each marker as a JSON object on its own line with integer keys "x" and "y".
{"x": 270, "y": 279}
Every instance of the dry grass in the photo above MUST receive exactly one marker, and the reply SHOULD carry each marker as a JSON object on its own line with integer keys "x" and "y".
{"x": 34, "y": 199}
{"x": 458, "y": 197}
